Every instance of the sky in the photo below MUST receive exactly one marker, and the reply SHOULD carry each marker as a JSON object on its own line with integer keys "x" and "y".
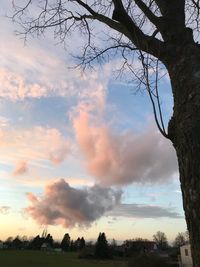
{"x": 80, "y": 151}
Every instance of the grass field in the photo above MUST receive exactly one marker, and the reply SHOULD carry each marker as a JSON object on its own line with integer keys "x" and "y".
{"x": 44, "y": 259}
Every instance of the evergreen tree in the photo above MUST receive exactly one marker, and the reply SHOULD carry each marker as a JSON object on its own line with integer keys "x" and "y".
{"x": 49, "y": 240}
{"x": 102, "y": 250}
{"x": 82, "y": 243}
{"x": 65, "y": 243}
{"x": 77, "y": 243}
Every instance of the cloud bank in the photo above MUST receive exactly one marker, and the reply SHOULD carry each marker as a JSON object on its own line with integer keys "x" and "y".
{"x": 68, "y": 206}
{"x": 125, "y": 157}
{"x": 144, "y": 211}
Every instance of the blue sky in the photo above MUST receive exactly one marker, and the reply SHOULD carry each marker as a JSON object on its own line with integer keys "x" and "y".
{"x": 89, "y": 129}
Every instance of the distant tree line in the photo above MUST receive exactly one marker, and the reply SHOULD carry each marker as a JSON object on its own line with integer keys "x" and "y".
{"x": 36, "y": 242}
{"x": 101, "y": 249}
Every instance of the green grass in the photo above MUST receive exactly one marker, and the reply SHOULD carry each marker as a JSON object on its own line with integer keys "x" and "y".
{"x": 50, "y": 259}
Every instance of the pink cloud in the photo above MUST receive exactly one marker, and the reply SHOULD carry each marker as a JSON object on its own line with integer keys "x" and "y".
{"x": 123, "y": 158}
{"x": 59, "y": 148}
{"x": 32, "y": 198}
{"x": 14, "y": 87}
{"x": 38, "y": 144}
{"x": 35, "y": 74}
{"x": 21, "y": 168}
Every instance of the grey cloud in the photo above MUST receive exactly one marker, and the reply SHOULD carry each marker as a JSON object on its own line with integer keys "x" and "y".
{"x": 68, "y": 206}
{"x": 144, "y": 211}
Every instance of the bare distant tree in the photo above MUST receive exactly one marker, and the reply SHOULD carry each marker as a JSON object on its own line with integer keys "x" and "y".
{"x": 154, "y": 31}
{"x": 161, "y": 240}
{"x": 181, "y": 239}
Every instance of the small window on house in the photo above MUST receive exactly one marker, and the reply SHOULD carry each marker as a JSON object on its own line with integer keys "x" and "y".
{"x": 186, "y": 252}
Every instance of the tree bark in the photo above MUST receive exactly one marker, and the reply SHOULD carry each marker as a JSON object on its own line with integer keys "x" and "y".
{"x": 184, "y": 132}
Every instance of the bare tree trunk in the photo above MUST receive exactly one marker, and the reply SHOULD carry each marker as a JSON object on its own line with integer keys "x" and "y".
{"x": 184, "y": 132}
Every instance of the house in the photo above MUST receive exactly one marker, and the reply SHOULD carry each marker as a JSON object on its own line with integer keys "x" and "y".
{"x": 46, "y": 247}
{"x": 185, "y": 259}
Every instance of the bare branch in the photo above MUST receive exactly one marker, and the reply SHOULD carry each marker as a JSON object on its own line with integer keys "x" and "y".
{"x": 154, "y": 19}
{"x": 158, "y": 100}
{"x": 87, "y": 58}
{"x": 148, "y": 87}
{"x": 144, "y": 42}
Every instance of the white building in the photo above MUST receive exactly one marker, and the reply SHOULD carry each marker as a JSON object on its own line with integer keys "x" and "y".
{"x": 46, "y": 247}
{"x": 185, "y": 257}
